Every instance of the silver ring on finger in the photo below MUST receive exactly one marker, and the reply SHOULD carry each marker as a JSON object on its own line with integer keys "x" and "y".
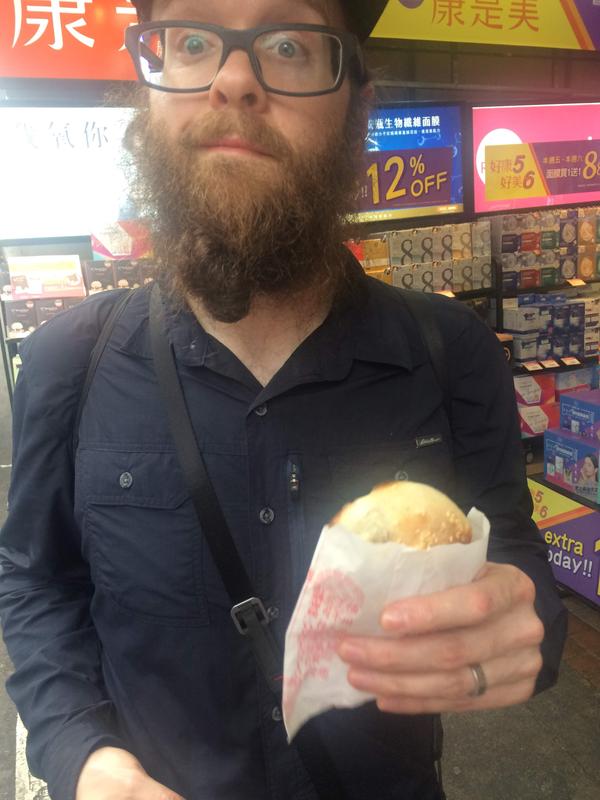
{"x": 479, "y": 679}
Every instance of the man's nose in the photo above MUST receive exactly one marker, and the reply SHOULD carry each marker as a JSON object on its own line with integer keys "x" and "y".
{"x": 236, "y": 85}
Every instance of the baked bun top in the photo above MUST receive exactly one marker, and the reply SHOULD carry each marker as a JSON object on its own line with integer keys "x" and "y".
{"x": 412, "y": 514}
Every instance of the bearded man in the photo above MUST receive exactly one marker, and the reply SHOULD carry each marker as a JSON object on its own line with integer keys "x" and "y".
{"x": 305, "y": 383}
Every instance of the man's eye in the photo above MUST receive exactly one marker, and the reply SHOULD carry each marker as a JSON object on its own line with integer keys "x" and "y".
{"x": 194, "y": 45}
{"x": 287, "y": 49}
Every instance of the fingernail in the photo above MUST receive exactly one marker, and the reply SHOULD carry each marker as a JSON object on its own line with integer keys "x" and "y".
{"x": 350, "y": 651}
{"x": 395, "y": 618}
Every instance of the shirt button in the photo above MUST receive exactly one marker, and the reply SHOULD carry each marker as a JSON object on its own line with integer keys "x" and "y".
{"x": 260, "y": 411}
{"x": 126, "y": 480}
{"x": 266, "y": 516}
{"x": 276, "y": 714}
{"x": 272, "y": 612}
{"x": 401, "y": 476}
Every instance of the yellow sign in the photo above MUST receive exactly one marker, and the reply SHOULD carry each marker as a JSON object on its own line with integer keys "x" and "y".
{"x": 568, "y": 24}
{"x": 512, "y": 173}
{"x": 551, "y": 507}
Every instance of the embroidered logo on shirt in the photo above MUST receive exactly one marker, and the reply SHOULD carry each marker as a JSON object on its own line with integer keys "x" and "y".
{"x": 428, "y": 441}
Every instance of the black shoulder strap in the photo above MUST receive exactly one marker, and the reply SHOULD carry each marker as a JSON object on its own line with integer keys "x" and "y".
{"x": 248, "y": 612}
{"x": 120, "y": 302}
{"x": 422, "y": 311}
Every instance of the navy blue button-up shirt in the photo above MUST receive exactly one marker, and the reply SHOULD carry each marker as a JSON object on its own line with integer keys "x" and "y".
{"x": 114, "y": 613}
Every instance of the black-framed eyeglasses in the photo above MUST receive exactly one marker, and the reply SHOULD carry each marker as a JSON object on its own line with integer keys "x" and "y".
{"x": 294, "y": 59}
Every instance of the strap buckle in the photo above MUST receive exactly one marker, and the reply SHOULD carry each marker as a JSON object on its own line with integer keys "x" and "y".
{"x": 245, "y": 615}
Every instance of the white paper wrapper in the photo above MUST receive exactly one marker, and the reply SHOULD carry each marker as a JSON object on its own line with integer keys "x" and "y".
{"x": 349, "y": 583}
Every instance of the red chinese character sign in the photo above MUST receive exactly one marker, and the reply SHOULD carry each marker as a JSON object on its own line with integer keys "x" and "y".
{"x": 73, "y": 39}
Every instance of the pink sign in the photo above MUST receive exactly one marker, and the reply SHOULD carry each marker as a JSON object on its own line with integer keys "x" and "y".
{"x": 533, "y": 125}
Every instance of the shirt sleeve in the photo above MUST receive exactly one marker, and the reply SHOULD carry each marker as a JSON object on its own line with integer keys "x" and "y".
{"x": 490, "y": 473}
{"x": 45, "y": 587}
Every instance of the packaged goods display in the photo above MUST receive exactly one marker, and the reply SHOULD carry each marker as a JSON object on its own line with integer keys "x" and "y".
{"x": 453, "y": 258}
{"x": 48, "y": 309}
{"x": 21, "y": 318}
{"x": 564, "y": 326}
{"x": 535, "y": 390}
{"x": 546, "y": 248}
{"x": 580, "y": 413}
{"x": 571, "y": 462}
{"x": 535, "y": 420}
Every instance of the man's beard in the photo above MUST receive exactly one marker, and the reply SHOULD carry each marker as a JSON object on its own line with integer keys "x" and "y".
{"x": 226, "y": 229}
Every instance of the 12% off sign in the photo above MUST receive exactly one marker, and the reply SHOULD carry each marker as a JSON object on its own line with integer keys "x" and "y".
{"x": 407, "y": 178}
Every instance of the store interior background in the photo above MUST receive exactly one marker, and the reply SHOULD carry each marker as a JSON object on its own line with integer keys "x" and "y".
{"x": 549, "y": 748}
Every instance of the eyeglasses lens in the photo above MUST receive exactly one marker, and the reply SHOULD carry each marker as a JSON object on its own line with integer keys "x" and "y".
{"x": 296, "y": 61}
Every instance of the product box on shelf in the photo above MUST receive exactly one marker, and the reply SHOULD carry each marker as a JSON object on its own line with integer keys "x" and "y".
{"x": 580, "y": 413}
{"x": 586, "y": 232}
{"x": 20, "y": 317}
{"x": 463, "y": 278}
{"x": 575, "y": 344}
{"x": 442, "y": 243}
{"x": 403, "y": 277}
{"x": 546, "y": 318}
{"x": 571, "y": 462}
{"x": 98, "y": 276}
{"x": 443, "y": 276}
{"x": 422, "y": 246}
{"x": 376, "y": 253}
{"x": 569, "y": 224}
{"x": 577, "y": 380}
{"x": 576, "y": 315}
{"x": 545, "y": 347}
{"x": 549, "y": 229}
{"x": 534, "y": 420}
{"x": 535, "y": 389}
{"x": 462, "y": 243}
{"x": 568, "y": 266}
{"x": 523, "y": 319}
{"x": 505, "y": 234}
{"x": 525, "y": 346}
{"x": 591, "y": 342}
{"x": 588, "y": 260}
{"x": 561, "y": 318}
{"x": 482, "y": 272}
{"x": 481, "y": 238}
{"x": 48, "y": 309}
{"x": 560, "y": 345}
{"x": 530, "y": 232}
{"x": 127, "y": 274}
{"x": 423, "y": 277}
{"x": 400, "y": 249}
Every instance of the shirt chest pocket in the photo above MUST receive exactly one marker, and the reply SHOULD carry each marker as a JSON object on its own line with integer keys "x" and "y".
{"x": 355, "y": 470}
{"x": 140, "y": 535}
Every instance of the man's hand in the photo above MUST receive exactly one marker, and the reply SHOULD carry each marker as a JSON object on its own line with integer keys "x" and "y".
{"x": 114, "y": 774}
{"x": 424, "y": 665}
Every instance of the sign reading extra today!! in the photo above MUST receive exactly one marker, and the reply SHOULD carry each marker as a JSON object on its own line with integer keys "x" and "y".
{"x": 572, "y": 534}
{"x": 65, "y": 39}
{"x": 568, "y": 24}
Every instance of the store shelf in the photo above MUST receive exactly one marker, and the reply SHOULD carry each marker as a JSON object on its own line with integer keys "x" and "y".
{"x": 519, "y": 369}
{"x": 561, "y": 287}
{"x": 473, "y": 293}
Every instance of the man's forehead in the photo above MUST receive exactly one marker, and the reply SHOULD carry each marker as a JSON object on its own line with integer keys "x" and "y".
{"x": 330, "y": 10}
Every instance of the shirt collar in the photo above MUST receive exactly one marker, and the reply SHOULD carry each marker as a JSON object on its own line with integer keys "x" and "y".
{"x": 371, "y": 327}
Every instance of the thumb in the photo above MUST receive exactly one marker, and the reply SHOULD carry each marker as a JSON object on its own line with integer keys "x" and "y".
{"x": 152, "y": 790}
